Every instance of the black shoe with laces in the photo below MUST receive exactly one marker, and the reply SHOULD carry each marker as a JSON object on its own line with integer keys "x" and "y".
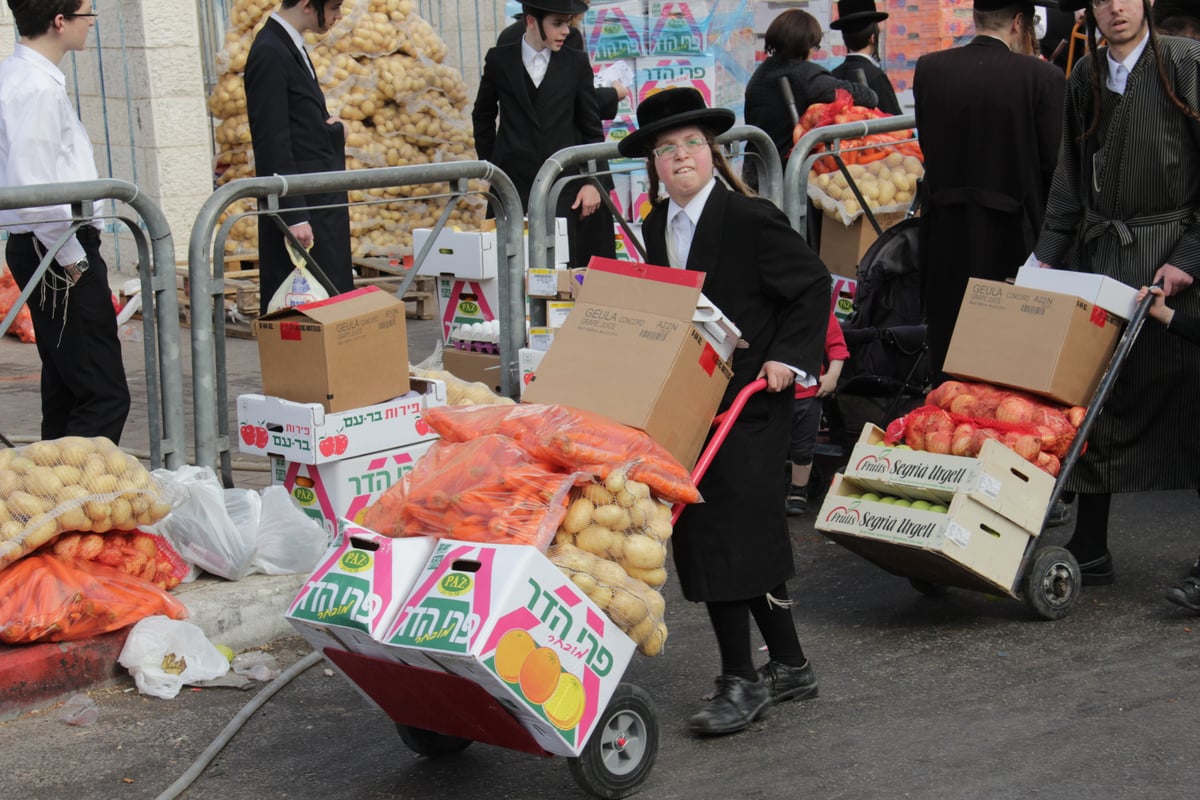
{"x": 1186, "y": 594}
{"x": 1098, "y": 571}
{"x": 797, "y": 501}
{"x": 737, "y": 703}
{"x": 788, "y": 682}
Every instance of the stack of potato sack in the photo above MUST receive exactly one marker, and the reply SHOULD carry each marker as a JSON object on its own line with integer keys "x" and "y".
{"x": 383, "y": 74}
{"x": 591, "y": 492}
{"x": 72, "y": 562}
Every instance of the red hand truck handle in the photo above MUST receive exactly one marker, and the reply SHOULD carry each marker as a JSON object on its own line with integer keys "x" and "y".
{"x": 724, "y": 421}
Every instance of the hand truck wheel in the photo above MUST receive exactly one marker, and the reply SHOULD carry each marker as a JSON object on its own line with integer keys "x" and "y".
{"x": 429, "y": 743}
{"x": 1052, "y": 582}
{"x": 623, "y": 746}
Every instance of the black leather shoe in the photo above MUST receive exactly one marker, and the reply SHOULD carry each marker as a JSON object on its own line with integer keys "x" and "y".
{"x": 738, "y": 702}
{"x": 788, "y": 682}
{"x": 1186, "y": 594}
{"x": 1098, "y": 571}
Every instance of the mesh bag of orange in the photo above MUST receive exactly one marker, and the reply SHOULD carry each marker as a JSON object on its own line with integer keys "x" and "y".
{"x": 50, "y": 598}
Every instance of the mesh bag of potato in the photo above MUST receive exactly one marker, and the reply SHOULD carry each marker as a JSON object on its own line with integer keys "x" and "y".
{"x": 460, "y": 392}
{"x": 71, "y": 484}
{"x": 382, "y": 73}
{"x": 612, "y": 545}
{"x": 887, "y": 184}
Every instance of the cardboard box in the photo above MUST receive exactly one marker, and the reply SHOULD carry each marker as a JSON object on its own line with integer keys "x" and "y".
{"x": 527, "y": 364}
{"x": 969, "y": 546}
{"x": 463, "y": 302}
{"x": 630, "y": 352}
{"x": 1111, "y": 295}
{"x": 482, "y": 611}
{"x": 342, "y": 489}
{"x": 540, "y": 339}
{"x": 305, "y": 433}
{"x": 1051, "y": 344}
{"x": 557, "y": 312}
{"x": 358, "y": 588}
{"x": 998, "y": 478}
{"x": 697, "y": 71}
{"x": 544, "y": 282}
{"x": 843, "y": 246}
{"x": 471, "y": 367}
{"x": 615, "y": 30}
{"x": 345, "y": 352}
{"x": 474, "y": 255}
{"x": 842, "y": 297}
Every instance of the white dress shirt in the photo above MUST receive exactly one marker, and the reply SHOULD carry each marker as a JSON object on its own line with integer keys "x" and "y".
{"x": 41, "y": 141}
{"x": 297, "y": 39}
{"x": 682, "y": 245}
{"x": 536, "y": 61}
{"x": 1118, "y": 71}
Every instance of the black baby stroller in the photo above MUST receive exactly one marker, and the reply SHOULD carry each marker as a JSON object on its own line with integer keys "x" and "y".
{"x": 888, "y": 372}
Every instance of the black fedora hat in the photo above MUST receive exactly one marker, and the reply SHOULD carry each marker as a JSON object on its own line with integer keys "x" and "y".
{"x": 1071, "y": 5}
{"x": 855, "y": 14}
{"x": 569, "y": 7}
{"x": 667, "y": 110}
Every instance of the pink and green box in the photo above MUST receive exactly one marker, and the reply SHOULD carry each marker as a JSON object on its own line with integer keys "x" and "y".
{"x": 359, "y": 586}
{"x": 343, "y": 489}
{"x": 504, "y": 617}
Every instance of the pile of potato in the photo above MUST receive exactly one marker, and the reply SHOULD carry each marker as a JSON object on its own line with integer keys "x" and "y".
{"x": 71, "y": 484}
{"x": 382, "y": 72}
{"x": 612, "y": 545}
{"x": 888, "y": 185}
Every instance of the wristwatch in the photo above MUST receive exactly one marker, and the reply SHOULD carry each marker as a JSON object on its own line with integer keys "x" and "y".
{"x": 75, "y": 271}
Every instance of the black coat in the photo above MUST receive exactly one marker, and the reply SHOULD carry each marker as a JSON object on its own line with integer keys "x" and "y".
{"x": 990, "y": 123}
{"x": 291, "y": 135}
{"x": 534, "y": 125}
{"x": 760, "y": 272}
{"x": 766, "y": 109}
{"x": 864, "y": 70}
{"x": 606, "y": 96}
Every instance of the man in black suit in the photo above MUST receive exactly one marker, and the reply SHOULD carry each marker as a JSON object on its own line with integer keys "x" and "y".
{"x": 859, "y": 23}
{"x": 990, "y": 121}
{"x": 292, "y": 132}
{"x": 542, "y": 94}
{"x": 607, "y": 97}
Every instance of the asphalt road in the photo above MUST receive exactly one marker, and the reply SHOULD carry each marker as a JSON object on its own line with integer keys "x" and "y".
{"x": 962, "y": 696}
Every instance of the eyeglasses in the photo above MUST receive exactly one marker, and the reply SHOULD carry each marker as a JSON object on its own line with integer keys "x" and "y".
{"x": 1099, "y": 3}
{"x": 89, "y": 14}
{"x": 690, "y": 146}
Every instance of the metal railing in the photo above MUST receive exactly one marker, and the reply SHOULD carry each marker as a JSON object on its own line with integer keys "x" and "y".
{"x": 156, "y": 270}
{"x": 206, "y": 271}
{"x": 795, "y": 174}
{"x": 550, "y": 181}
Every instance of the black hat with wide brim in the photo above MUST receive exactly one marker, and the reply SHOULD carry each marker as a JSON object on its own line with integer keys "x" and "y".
{"x": 1070, "y": 5}
{"x": 668, "y": 110}
{"x": 1165, "y": 9}
{"x": 568, "y": 7}
{"x": 996, "y": 5}
{"x": 855, "y": 14}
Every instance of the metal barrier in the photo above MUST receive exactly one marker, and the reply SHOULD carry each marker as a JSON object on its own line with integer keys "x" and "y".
{"x": 550, "y": 181}
{"x": 211, "y": 402}
{"x": 795, "y": 174}
{"x": 156, "y": 269}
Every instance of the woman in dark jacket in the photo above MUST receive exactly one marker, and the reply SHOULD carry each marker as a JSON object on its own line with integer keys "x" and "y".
{"x": 732, "y": 552}
{"x": 791, "y": 37}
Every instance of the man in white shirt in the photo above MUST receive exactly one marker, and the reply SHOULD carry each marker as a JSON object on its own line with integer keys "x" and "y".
{"x": 42, "y": 141}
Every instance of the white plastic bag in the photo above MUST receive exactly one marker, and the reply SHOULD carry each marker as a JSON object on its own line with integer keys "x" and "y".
{"x": 163, "y": 654}
{"x": 199, "y": 526}
{"x": 288, "y": 539}
{"x": 298, "y": 288}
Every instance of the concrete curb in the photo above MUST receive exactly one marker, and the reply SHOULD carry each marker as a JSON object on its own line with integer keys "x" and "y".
{"x": 241, "y": 614}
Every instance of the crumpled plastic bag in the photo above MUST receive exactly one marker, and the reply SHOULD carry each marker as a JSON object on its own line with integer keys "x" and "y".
{"x": 299, "y": 287}
{"x": 200, "y": 526}
{"x": 288, "y": 540}
{"x": 163, "y": 654}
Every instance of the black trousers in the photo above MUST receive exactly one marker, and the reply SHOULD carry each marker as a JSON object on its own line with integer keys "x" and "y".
{"x": 84, "y": 392}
